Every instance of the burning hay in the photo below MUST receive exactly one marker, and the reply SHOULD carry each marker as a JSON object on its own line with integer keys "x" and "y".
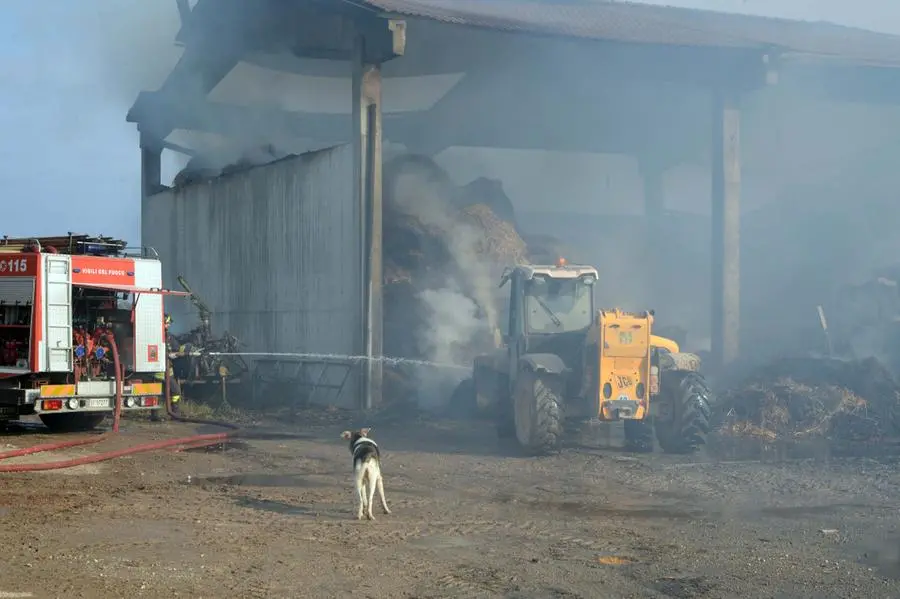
{"x": 443, "y": 253}
{"x": 800, "y": 399}
{"x": 499, "y": 241}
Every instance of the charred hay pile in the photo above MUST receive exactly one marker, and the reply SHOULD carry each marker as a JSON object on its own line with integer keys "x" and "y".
{"x": 838, "y": 402}
{"x": 443, "y": 239}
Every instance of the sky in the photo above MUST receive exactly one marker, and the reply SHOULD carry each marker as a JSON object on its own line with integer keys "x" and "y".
{"x": 71, "y": 70}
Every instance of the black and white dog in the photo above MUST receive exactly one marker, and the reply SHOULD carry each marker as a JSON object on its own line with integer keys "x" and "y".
{"x": 366, "y": 471}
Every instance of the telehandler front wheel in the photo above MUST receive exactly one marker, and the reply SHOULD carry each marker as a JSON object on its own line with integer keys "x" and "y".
{"x": 683, "y": 422}
{"x": 537, "y": 412}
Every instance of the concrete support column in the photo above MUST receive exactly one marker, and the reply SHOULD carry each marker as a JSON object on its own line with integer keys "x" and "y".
{"x": 726, "y": 224}
{"x": 367, "y": 171}
{"x": 151, "y": 166}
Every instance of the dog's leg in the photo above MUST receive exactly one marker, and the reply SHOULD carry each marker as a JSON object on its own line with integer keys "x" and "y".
{"x": 384, "y": 506}
{"x": 360, "y": 496}
{"x": 371, "y": 496}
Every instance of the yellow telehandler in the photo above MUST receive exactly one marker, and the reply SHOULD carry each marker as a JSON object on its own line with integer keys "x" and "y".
{"x": 563, "y": 360}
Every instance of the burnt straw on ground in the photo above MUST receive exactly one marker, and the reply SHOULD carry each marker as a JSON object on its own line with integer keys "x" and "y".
{"x": 801, "y": 398}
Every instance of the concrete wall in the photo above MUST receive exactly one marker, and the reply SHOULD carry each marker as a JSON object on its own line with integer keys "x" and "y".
{"x": 274, "y": 251}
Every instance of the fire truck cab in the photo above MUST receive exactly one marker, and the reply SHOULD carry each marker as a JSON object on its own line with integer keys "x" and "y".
{"x": 68, "y": 305}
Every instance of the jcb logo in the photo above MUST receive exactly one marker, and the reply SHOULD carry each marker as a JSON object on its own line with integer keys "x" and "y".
{"x": 623, "y": 381}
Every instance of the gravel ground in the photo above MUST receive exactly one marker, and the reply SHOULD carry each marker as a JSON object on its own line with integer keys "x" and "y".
{"x": 273, "y": 516}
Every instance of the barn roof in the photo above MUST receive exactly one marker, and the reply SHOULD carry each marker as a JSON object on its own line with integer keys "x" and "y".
{"x": 627, "y": 21}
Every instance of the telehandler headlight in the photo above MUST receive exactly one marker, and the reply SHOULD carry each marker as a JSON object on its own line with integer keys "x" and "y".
{"x": 607, "y": 390}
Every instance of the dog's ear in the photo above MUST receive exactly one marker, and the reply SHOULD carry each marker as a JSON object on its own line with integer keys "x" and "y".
{"x": 346, "y": 435}
{"x": 364, "y": 432}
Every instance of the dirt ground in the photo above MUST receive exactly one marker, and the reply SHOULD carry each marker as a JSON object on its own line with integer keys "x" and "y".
{"x": 272, "y": 516}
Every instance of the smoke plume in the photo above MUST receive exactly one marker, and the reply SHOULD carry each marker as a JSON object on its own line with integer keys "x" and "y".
{"x": 460, "y": 304}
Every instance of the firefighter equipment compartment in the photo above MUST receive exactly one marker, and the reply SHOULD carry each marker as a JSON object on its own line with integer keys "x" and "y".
{"x": 63, "y": 302}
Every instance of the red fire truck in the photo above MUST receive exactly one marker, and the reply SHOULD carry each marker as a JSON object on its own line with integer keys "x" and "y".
{"x": 71, "y": 307}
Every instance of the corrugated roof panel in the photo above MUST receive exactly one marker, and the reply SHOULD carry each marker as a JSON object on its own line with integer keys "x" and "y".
{"x": 644, "y": 23}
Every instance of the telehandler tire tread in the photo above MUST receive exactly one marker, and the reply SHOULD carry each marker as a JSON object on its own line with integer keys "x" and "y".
{"x": 546, "y": 426}
{"x": 690, "y": 425}
{"x": 548, "y": 429}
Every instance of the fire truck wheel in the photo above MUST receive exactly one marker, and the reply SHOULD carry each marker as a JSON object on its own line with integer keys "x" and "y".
{"x": 68, "y": 423}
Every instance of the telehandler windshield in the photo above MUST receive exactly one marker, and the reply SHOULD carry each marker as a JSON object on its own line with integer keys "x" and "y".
{"x": 558, "y": 305}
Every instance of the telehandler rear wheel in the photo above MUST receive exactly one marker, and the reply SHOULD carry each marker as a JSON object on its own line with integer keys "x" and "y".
{"x": 683, "y": 423}
{"x": 639, "y": 436}
{"x": 537, "y": 412}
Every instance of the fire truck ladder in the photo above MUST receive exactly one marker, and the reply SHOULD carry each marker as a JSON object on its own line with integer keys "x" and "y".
{"x": 59, "y": 315}
{"x": 71, "y": 243}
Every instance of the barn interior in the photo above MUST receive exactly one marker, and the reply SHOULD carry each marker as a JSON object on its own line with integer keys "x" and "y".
{"x": 730, "y": 172}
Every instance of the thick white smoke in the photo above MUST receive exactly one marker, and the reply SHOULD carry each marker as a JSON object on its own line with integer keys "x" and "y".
{"x": 453, "y": 324}
{"x": 457, "y": 326}
{"x": 428, "y": 204}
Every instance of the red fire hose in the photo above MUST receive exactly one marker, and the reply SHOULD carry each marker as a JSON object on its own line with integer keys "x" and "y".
{"x": 117, "y": 409}
{"x": 189, "y": 442}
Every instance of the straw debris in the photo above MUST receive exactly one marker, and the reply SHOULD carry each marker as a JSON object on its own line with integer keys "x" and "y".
{"x": 797, "y": 399}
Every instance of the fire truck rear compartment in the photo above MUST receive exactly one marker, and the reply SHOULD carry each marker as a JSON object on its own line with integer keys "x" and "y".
{"x": 95, "y": 314}
{"x": 55, "y": 354}
{"x": 16, "y": 311}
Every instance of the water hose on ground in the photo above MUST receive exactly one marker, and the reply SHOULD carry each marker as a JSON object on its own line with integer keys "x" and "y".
{"x": 189, "y": 442}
